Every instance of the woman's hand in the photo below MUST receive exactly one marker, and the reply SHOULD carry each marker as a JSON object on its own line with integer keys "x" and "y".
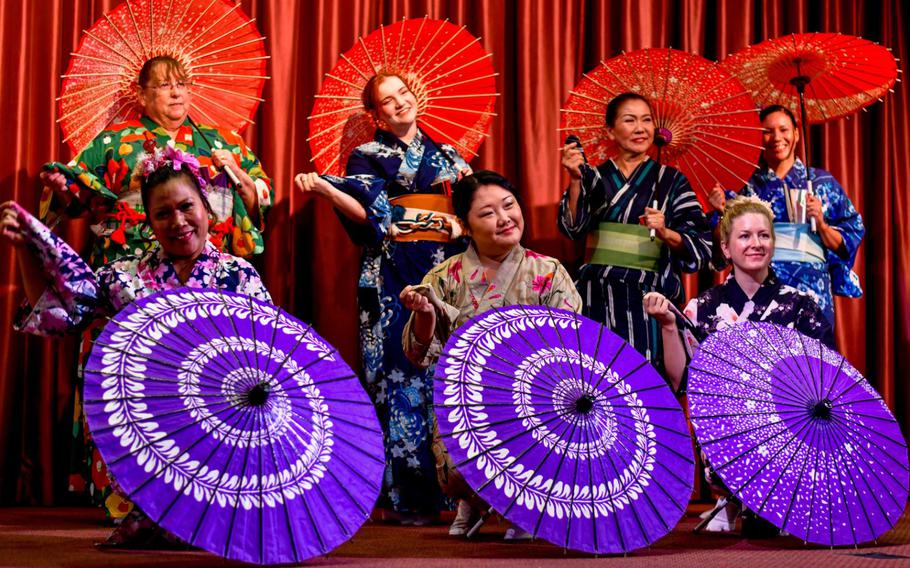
{"x": 312, "y": 182}
{"x": 814, "y": 211}
{"x": 463, "y": 174}
{"x": 717, "y": 198}
{"x": 658, "y": 307}
{"x": 415, "y": 301}
{"x": 655, "y": 219}
{"x": 57, "y": 183}
{"x": 572, "y": 159}
{"x": 246, "y": 187}
{"x": 11, "y": 224}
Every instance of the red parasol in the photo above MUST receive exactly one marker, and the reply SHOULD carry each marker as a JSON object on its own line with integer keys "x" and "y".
{"x": 706, "y": 124}
{"x": 447, "y": 69}
{"x": 217, "y": 43}
{"x": 839, "y": 74}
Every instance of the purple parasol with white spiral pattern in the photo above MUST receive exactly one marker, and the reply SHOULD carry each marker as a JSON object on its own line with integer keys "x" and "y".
{"x": 797, "y": 434}
{"x": 234, "y": 426}
{"x": 564, "y": 429}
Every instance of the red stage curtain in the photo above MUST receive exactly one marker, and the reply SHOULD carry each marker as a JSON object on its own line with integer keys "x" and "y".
{"x": 540, "y": 49}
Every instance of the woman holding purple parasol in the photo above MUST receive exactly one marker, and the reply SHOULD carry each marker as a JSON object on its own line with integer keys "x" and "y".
{"x": 64, "y": 295}
{"x": 752, "y": 292}
{"x": 495, "y": 271}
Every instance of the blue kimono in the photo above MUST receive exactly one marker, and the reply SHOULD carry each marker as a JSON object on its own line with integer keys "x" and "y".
{"x": 378, "y": 172}
{"x": 835, "y": 275}
{"x": 612, "y": 294}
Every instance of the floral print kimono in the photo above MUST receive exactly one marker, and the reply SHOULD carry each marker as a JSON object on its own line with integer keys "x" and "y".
{"x": 76, "y": 296}
{"x": 613, "y": 295}
{"x": 461, "y": 283}
{"x": 378, "y": 173}
{"x": 835, "y": 275}
{"x": 101, "y": 179}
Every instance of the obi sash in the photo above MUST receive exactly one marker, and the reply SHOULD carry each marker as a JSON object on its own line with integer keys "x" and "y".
{"x": 622, "y": 244}
{"x": 426, "y": 217}
{"x": 795, "y": 242}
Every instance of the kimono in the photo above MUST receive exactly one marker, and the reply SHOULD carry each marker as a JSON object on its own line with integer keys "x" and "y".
{"x": 76, "y": 296}
{"x": 726, "y": 305}
{"x": 101, "y": 179}
{"x": 613, "y": 295}
{"x": 462, "y": 285}
{"x": 835, "y": 275}
{"x": 378, "y": 174}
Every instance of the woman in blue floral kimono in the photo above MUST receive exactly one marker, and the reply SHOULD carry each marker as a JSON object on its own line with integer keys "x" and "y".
{"x": 395, "y": 202}
{"x": 64, "y": 295}
{"x": 753, "y": 292}
{"x": 818, "y": 263}
{"x": 606, "y": 205}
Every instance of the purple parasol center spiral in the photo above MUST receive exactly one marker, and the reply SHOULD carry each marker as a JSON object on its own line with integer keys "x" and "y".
{"x": 259, "y": 394}
{"x": 822, "y": 409}
{"x": 584, "y": 404}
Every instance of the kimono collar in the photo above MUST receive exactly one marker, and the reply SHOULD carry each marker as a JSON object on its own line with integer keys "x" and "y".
{"x": 184, "y": 133}
{"x": 387, "y": 138}
{"x": 737, "y": 297}
{"x": 794, "y": 178}
{"x": 639, "y": 168}
{"x": 505, "y": 276}
{"x": 158, "y": 272}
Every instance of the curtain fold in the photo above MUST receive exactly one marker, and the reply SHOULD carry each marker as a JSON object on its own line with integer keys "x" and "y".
{"x": 540, "y": 49}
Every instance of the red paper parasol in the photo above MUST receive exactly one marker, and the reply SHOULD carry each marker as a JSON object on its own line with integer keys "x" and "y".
{"x": 217, "y": 43}
{"x": 705, "y": 123}
{"x": 447, "y": 69}
{"x": 840, "y": 73}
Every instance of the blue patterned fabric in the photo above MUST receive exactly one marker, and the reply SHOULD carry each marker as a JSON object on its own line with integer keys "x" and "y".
{"x": 403, "y": 394}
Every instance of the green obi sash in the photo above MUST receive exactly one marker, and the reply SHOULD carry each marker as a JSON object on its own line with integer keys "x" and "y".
{"x": 795, "y": 242}
{"x": 622, "y": 244}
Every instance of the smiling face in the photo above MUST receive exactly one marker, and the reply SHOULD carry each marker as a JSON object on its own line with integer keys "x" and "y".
{"x": 779, "y": 139}
{"x": 396, "y": 105}
{"x": 750, "y": 245}
{"x": 633, "y": 129}
{"x": 178, "y": 218}
{"x": 495, "y": 222}
{"x": 165, "y": 97}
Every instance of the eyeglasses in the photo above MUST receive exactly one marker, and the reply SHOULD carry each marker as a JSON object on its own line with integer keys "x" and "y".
{"x": 169, "y": 87}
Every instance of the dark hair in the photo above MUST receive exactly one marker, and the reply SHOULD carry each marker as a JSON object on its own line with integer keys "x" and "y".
{"x": 171, "y": 67}
{"x": 617, "y": 101}
{"x": 771, "y": 109}
{"x": 463, "y": 191}
{"x": 368, "y": 96}
{"x": 163, "y": 175}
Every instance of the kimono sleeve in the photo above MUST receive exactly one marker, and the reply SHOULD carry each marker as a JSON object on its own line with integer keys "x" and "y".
{"x": 591, "y": 199}
{"x": 87, "y": 175}
{"x": 71, "y": 299}
{"x": 364, "y": 183}
{"x": 420, "y": 354}
{"x": 249, "y": 282}
{"x": 843, "y": 216}
{"x": 685, "y": 216}
{"x": 812, "y": 322}
{"x": 562, "y": 293}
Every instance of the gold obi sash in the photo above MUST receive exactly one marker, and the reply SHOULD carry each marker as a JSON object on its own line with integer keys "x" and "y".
{"x": 795, "y": 242}
{"x": 426, "y": 217}
{"x": 622, "y": 244}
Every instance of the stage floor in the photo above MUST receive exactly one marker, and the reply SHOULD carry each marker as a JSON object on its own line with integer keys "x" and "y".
{"x": 51, "y": 537}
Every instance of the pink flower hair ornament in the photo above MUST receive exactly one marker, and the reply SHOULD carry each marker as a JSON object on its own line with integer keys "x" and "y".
{"x": 157, "y": 157}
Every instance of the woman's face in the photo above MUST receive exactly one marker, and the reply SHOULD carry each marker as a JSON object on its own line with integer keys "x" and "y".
{"x": 166, "y": 98}
{"x": 178, "y": 218}
{"x": 779, "y": 139}
{"x": 396, "y": 105}
{"x": 495, "y": 222}
{"x": 750, "y": 245}
{"x": 633, "y": 130}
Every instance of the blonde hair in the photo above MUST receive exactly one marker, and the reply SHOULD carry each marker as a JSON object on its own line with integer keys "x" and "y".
{"x": 738, "y": 207}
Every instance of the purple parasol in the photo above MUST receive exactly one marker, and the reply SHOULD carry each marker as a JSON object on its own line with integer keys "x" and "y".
{"x": 234, "y": 426}
{"x": 564, "y": 429}
{"x": 797, "y": 434}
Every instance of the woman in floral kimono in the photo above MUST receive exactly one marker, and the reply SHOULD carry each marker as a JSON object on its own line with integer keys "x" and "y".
{"x": 631, "y": 203}
{"x": 99, "y": 183}
{"x": 395, "y": 202}
{"x": 752, "y": 292}
{"x": 495, "y": 271}
{"x": 64, "y": 295}
{"x": 821, "y": 263}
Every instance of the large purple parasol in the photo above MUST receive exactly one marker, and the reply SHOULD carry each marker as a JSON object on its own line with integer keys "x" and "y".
{"x": 797, "y": 434}
{"x": 564, "y": 428}
{"x": 234, "y": 426}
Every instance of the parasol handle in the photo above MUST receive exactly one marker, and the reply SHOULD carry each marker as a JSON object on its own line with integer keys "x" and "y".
{"x": 230, "y": 174}
{"x": 800, "y": 82}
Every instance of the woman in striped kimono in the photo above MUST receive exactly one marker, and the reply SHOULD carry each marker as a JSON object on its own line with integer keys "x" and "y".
{"x": 642, "y": 222}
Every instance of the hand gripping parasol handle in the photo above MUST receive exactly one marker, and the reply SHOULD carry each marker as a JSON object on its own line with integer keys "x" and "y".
{"x": 230, "y": 173}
